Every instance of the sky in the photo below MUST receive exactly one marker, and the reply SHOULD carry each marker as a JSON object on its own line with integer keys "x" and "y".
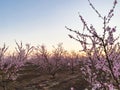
{"x": 40, "y": 22}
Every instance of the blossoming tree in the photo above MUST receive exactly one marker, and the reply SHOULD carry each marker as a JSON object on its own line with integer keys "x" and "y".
{"x": 101, "y": 67}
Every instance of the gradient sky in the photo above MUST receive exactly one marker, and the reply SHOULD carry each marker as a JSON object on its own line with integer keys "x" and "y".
{"x": 43, "y": 21}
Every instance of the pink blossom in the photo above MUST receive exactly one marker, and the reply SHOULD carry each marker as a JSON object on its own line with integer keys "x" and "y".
{"x": 111, "y": 87}
{"x": 115, "y": 2}
{"x": 113, "y": 29}
{"x": 72, "y": 88}
{"x": 108, "y": 28}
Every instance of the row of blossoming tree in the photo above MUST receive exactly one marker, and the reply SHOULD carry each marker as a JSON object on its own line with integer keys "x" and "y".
{"x": 18, "y": 69}
{"x": 101, "y": 68}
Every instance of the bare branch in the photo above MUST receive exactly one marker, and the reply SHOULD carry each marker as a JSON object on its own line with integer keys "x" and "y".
{"x": 95, "y": 10}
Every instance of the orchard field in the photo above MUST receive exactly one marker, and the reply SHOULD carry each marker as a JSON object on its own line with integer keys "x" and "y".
{"x": 96, "y": 66}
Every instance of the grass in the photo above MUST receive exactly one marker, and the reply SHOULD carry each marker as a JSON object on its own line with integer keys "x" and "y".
{"x": 63, "y": 80}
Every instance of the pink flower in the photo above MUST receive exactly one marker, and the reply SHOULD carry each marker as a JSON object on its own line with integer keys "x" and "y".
{"x": 113, "y": 29}
{"x": 115, "y": 2}
{"x": 72, "y": 88}
{"x": 108, "y": 28}
{"x": 111, "y": 87}
{"x": 110, "y": 38}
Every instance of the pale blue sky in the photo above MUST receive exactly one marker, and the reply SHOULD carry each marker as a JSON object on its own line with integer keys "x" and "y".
{"x": 44, "y": 21}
